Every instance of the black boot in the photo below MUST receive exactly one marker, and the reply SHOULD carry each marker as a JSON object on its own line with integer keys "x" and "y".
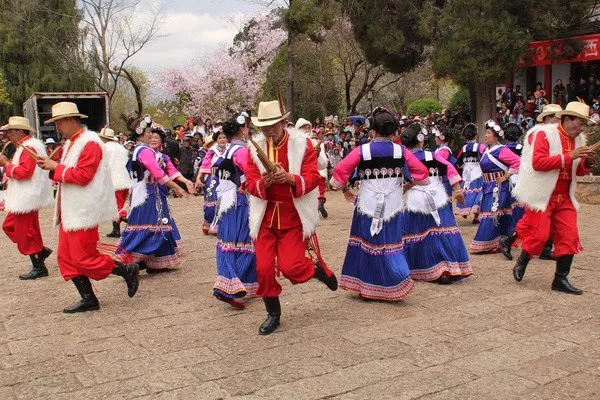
{"x": 560, "y": 282}
{"x": 38, "y": 267}
{"x": 130, "y": 273}
{"x": 519, "y": 269}
{"x": 547, "y": 252}
{"x": 322, "y": 209}
{"x": 320, "y": 274}
{"x": 506, "y": 244}
{"x": 116, "y": 232}
{"x": 88, "y": 302}
{"x": 273, "y": 313}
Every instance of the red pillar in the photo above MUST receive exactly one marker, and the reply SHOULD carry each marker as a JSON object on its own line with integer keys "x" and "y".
{"x": 548, "y": 82}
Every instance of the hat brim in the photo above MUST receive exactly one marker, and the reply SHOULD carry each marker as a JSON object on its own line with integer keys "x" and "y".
{"x": 54, "y": 119}
{"x": 17, "y": 126}
{"x": 113, "y": 138}
{"x": 540, "y": 118}
{"x": 573, "y": 114}
{"x": 208, "y": 145}
{"x": 258, "y": 123}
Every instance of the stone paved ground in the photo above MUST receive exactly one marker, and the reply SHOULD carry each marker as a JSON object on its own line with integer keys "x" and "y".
{"x": 486, "y": 337}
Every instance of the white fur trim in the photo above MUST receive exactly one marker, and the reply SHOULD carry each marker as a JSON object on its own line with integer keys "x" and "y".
{"x": 307, "y": 205}
{"x": 117, "y": 157}
{"x": 535, "y": 188}
{"x": 26, "y": 195}
{"x": 84, "y": 207}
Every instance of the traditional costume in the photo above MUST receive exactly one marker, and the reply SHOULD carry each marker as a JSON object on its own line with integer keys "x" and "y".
{"x": 85, "y": 199}
{"x": 210, "y": 165}
{"x": 469, "y": 158}
{"x": 236, "y": 259}
{"x": 496, "y": 204}
{"x": 445, "y": 152}
{"x": 284, "y": 215}
{"x": 546, "y": 186}
{"x": 118, "y": 158}
{"x": 433, "y": 245}
{"x": 151, "y": 236}
{"x": 29, "y": 190}
{"x": 375, "y": 266}
{"x": 512, "y": 133}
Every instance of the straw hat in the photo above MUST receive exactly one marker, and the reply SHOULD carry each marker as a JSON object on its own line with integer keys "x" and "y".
{"x": 64, "y": 109}
{"x": 302, "y": 122}
{"x": 4, "y": 128}
{"x": 548, "y": 109}
{"x": 109, "y": 134}
{"x": 269, "y": 113}
{"x": 19, "y": 123}
{"x": 576, "y": 109}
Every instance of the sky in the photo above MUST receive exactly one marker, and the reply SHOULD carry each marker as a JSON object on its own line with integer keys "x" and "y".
{"x": 192, "y": 28}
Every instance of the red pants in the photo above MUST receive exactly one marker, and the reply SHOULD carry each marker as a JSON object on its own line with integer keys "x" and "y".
{"x": 558, "y": 222}
{"x": 322, "y": 188}
{"x": 24, "y": 230}
{"x": 289, "y": 247}
{"x": 78, "y": 255}
{"x": 121, "y": 196}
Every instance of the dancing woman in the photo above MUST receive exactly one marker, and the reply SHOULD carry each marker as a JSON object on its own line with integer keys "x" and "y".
{"x": 469, "y": 159}
{"x": 497, "y": 164}
{"x": 433, "y": 245}
{"x": 375, "y": 266}
{"x": 208, "y": 169}
{"x": 151, "y": 235}
{"x": 512, "y": 133}
{"x": 444, "y": 152}
{"x": 236, "y": 260}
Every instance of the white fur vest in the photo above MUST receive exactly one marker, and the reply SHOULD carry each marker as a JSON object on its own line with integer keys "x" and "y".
{"x": 307, "y": 205}
{"x": 84, "y": 207}
{"x": 117, "y": 157}
{"x": 534, "y": 188}
{"x": 26, "y": 195}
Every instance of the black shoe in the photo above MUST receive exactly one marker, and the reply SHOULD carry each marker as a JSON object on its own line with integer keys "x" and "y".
{"x": 320, "y": 274}
{"x": 322, "y": 209}
{"x": 44, "y": 254}
{"x": 130, "y": 273}
{"x": 445, "y": 279}
{"x": 88, "y": 302}
{"x": 156, "y": 270}
{"x": 37, "y": 271}
{"x": 142, "y": 265}
{"x": 116, "y": 232}
{"x": 273, "y": 315}
{"x": 560, "y": 282}
{"x": 521, "y": 266}
{"x": 506, "y": 244}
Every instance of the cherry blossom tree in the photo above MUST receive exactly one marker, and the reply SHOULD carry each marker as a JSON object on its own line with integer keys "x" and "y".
{"x": 229, "y": 77}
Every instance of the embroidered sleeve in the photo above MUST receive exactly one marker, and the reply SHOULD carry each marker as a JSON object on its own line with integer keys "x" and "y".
{"x": 172, "y": 172}
{"x": 85, "y": 170}
{"x": 148, "y": 159}
{"x": 205, "y": 168}
{"x": 344, "y": 170}
{"x": 508, "y": 157}
{"x": 418, "y": 172}
{"x": 451, "y": 172}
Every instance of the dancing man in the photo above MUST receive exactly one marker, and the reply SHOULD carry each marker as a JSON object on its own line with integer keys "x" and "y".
{"x": 85, "y": 199}
{"x": 552, "y": 159}
{"x": 29, "y": 190}
{"x": 283, "y": 209}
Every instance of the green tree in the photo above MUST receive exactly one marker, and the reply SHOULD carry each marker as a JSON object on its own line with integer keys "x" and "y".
{"x": 424, "y": 107}
{"x": 27, "y": 61}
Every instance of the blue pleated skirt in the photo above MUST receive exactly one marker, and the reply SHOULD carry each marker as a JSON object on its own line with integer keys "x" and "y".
{"x": 473, "y": 196}
{"x": 375, "y": 267}
{"x": 433, "y": 250}
{"x": 236, "y": 259}
{"x": 494, "y": 224}
{"x": 147, "y": 239}
{"x": 210, "y": 203}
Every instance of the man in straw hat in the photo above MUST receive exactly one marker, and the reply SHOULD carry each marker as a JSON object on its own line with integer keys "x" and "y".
{"x": 322, "y": 161}
{"x": 29, "y": 190}
{"x": 117, "y": 157}
{"x": 283, "y": 208}
{"x": 85, "y": 199}
{"x": 552, "y": 159}
{"x": 547, "y": 116}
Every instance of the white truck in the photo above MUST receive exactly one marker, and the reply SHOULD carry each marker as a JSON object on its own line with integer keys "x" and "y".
{"x": 38, "y": 108}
